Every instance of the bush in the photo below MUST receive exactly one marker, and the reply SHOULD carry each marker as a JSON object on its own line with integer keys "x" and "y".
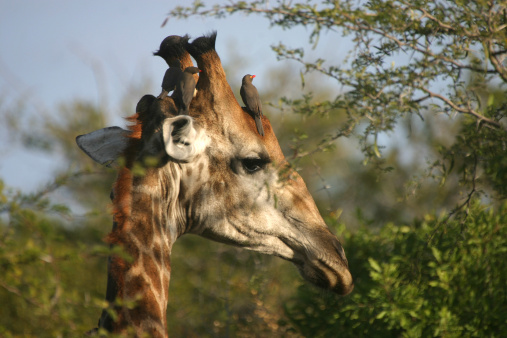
{"x": 439, "y": 277}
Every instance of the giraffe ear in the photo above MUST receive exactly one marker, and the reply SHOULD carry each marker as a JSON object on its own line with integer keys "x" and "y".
{"x": 181, "y": 140}
{"x": 105, "y": 145}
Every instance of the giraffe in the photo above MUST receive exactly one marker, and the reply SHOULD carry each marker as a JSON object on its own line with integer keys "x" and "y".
{"x": 207, "y": 173}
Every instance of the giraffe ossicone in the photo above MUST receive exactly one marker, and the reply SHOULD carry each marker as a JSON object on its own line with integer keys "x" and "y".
{"x": 213, "y": 176}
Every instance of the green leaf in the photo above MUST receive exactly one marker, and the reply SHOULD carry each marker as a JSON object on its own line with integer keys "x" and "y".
{"x": 374, "y": 265}
{"x": 437, "y": 254}
{"x": 491, "y": 99}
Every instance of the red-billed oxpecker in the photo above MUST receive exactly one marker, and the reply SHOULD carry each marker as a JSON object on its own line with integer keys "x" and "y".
{"x": 171, "y": 78}
{"x": 250, "y": 97}
{"x": 185, "y": 90}
{"x": 172, "y": 50}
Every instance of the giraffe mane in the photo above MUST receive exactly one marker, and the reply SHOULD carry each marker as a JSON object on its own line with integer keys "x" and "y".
{"x": 122, "y": 188}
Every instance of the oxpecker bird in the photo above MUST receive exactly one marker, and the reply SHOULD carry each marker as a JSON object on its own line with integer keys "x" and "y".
{"x": 185, "y": 89}
{"x": 251, "y": 99}
{"x": 171, "y": 78}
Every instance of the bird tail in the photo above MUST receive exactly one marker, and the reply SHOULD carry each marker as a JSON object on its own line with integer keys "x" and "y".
{"x": 183, "y": 111}
{"x": 258, "y": 123}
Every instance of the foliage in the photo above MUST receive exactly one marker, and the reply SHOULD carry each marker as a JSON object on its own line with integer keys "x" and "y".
{"x": 412, "y": 283}
{"x": 46, "y": 288}
{"x": 409, "y": 58}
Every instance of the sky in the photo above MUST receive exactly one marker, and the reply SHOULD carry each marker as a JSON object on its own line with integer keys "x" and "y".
{"x": 55, "y": 51}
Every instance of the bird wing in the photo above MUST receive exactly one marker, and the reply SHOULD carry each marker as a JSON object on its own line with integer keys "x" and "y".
{"x": 171, "y": 78}
{"x": 187, "y": 88}
{"x": 251, "y": 99}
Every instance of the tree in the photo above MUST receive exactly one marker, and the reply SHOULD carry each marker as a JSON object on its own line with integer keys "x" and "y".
{"x": 410, "y": 60}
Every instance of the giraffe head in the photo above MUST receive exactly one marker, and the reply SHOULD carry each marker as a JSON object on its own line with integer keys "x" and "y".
{"x": 227, "y": 182}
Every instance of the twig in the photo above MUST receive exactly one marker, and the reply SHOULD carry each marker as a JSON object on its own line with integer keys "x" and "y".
{"x": 458, "y": 108}
{"x": 320, "y": 147}
{"x": 459, "y": 207}
{"x": 16, "y": 291}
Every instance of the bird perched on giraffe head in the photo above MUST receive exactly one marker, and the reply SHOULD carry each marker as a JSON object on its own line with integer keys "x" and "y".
{"x": 250, "y": 97}
{"x": 185, "y": 90}
{"x": 171, "y": 78}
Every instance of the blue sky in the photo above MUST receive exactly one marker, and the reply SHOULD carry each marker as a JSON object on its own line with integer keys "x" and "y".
{"x": 50, "y": 48}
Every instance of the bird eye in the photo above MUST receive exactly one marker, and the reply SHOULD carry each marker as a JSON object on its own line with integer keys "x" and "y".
{"x": 253, "y": 165}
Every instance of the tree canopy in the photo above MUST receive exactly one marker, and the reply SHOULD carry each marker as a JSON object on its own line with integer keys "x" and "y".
{"x": 409, "y": 59}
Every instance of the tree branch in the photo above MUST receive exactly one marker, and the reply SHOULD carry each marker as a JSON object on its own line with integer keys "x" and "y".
{"x": 497, "y": 64}
{"x": 460, "y": 109}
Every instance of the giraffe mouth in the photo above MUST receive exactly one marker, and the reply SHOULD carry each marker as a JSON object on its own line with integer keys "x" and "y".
{"x": 327, "y": 269}
{"x": 324, "y": 274}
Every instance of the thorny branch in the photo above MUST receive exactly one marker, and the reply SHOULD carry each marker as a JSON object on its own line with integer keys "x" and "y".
{"x": 343, "y": 133}
{"x": 357, "y": 20}
{"x": 454, "y": 106}
{"x": 466, "y": 204}
{"x": 17, "y": 292}
{"x": 49, "y": 188}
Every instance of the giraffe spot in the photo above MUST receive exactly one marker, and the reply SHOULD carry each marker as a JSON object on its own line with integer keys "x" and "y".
{"x": 218, "y": 187}
{"x": 129, "y": 247}
{"x": 189, "y": 172}
{"x": 136, "y": 286}
{"x": 157, "y": 253}
{"x": 146, "y": 302}
{"x": 149, "y": 305}
{"x": 132, "y": 250}
{"x": 152, "y": 272}
{"x": 144, "y": 233}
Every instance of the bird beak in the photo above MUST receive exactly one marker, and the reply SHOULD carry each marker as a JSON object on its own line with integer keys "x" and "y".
{"x": 253, "y": 76}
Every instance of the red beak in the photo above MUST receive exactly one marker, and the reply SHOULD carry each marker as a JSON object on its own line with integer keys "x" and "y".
{"x": 253, "y": 76}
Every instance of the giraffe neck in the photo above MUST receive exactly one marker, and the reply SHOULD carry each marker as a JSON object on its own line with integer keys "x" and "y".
{"x": 138, "y": 287}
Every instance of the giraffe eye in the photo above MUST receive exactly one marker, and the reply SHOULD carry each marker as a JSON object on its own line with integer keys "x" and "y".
{"x": 253, "y": 165}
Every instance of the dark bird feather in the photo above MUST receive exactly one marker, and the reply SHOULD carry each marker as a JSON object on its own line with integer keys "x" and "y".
{"x": 185, "y": 88}
{"x": 171, "y": 78}
{"x": 250, "y": 97}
